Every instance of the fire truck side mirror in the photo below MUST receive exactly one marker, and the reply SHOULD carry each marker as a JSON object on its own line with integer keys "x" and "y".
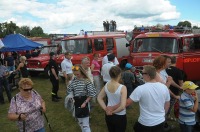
{"x": 127, "y": 45}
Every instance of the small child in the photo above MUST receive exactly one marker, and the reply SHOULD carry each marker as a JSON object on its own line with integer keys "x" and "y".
{"x": 188, "y": 107}
{"x": 128, "y": 78}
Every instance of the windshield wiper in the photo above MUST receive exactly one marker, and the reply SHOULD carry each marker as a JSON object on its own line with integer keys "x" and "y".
{"x": 157, "y": 49}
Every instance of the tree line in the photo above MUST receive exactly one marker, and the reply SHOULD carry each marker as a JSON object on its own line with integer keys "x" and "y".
{"x": 187, "y": 24}
{"x": 7, "y": 28}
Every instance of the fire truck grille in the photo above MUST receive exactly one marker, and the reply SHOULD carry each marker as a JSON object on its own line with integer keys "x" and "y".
{"x": 32, "y": 64}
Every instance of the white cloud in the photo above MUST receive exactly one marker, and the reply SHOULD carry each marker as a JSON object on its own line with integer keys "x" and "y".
{"x": 70, "y": 16}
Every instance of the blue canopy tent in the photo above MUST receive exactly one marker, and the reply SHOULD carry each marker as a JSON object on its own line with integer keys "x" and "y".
{"x": 17, "y": 42}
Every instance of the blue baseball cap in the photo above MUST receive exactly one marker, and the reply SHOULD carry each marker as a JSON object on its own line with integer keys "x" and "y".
{"x": 128, "y": 66}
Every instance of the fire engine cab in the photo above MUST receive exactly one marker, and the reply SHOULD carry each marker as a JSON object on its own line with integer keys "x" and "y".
{"x": 36, "y": 65}
{"x": 95, "y": 42}
{"x": 184, "y": 45}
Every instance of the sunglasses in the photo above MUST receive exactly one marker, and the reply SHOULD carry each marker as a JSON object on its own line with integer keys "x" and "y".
{"x": 25, "y": 90}
{"x": 75, "y": 68}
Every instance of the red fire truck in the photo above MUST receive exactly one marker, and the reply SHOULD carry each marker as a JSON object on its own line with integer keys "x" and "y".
{"x": 95, "y": 42}
{"x": 36, "y": 65}
{"x": 85, "y": 45}
{"x": 184, "y": 45}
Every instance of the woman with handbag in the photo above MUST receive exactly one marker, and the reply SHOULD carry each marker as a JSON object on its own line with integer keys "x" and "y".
{"x": 83, "y": 90}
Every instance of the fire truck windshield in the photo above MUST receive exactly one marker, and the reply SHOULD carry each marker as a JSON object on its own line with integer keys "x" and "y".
{"x": 47, "y": 50}
{"x": 76, "y": 46}
{"x": 162, "y": 45}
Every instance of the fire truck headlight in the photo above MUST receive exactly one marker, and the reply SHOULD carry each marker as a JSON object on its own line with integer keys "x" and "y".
{"x": 39, "y": 63}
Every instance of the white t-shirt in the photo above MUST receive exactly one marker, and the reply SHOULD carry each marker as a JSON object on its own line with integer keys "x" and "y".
{"x": 152, "y": 98}
{"x": 105, "y": 60}
{"x": 115, "y": 98}
{"x": 66, "y": 66}
{"x": 105, "y": 71}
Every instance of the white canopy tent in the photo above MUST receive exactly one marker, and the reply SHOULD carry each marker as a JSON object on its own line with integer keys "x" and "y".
{"x": 1, "y": 44}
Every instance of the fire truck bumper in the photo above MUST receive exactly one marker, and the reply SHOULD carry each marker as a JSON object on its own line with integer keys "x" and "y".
{"x": 35, "y": 69}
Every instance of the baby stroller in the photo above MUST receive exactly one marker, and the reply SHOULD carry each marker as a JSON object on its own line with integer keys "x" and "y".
{"x": 13, "y": 80}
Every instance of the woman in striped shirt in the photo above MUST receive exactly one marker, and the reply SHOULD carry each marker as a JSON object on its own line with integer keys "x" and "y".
{"x": 83, "y": 90}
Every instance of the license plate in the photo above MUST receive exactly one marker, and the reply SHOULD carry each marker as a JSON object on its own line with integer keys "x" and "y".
{"x": 148, "y": 60}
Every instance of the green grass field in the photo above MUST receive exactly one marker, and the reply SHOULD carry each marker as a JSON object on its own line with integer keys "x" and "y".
{"x": 60, "y": 119}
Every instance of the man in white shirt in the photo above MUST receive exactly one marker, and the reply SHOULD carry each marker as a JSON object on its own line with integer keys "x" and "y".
{"x": 66, "y": 66}
{"x": 153, "y": 98}
{"x": 105, "y": 58}
{"x": 106, "y": 68}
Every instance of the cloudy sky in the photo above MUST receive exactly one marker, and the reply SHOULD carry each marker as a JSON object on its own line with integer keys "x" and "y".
{"x": 70, "y": 16}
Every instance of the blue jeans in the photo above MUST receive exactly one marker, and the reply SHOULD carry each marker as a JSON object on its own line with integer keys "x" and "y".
{"x": 11, "y": 68}
{"x": 41, "y": 130}
{"x": 186, "y": 128}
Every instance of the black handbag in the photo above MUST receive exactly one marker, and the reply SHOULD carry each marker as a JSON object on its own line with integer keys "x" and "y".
{"x": 81, "y": 112}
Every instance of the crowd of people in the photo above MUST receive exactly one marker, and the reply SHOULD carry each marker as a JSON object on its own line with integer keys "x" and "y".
{"x": 113, "y": 88}
{"x": 163, "y": 86}
{"x": 11, "y": 65}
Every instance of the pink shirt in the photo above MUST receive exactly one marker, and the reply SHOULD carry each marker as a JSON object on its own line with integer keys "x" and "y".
{"x": 96, "y": 68}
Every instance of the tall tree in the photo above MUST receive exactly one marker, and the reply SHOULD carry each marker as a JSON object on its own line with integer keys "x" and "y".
{"x": 185, "y": 24}
{"x": 8, "y": 28}
{"x": 36, "y": 31}
{"x": 195, "y": 27}
{"x": 25, "y": 30}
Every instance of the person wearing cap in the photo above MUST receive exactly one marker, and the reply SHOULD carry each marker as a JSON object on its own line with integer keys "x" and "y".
{"x": 128, "y": 78}
{"x": 54, "y": 77}
{"x": 106, "y": 68}
{"x": 105, "y": 58}
{"x": 188, "y": 107}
